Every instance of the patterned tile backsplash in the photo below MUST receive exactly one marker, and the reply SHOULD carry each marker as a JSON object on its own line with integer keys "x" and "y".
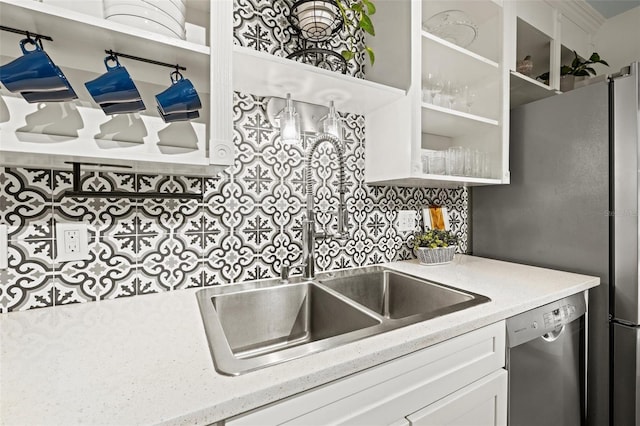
{"x": 245, "y": 228}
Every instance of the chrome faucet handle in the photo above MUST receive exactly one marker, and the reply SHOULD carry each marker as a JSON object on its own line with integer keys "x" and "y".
{"x": 285, "y": 269}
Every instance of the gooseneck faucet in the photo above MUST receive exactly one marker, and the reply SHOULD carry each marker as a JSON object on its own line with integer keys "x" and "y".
{"x": 309, "y": 234}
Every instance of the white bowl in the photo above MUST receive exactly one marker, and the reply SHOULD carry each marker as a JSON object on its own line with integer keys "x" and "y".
{"x": 145, "y": 10}
{"x": 171, "y": 7}
{"x": 145, "y": 24}
{"x": 146, "y": 13}
{"x": 165, "y": 5}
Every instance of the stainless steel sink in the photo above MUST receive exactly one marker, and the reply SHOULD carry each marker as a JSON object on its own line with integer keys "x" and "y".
{"x": 271, "y": 319}
{"x": 395, "y": 295}
{"x": 253, "y": 325}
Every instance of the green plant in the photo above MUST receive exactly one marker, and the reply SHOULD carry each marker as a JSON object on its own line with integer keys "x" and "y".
{"x": 579, "y": 67}
{"x": 356, "y": 15}
{"x": 434, "y": 238}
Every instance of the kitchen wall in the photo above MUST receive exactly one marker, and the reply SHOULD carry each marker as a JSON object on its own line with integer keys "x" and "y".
{"x": 245, "y": 228}
{"x": 617, "y": 41}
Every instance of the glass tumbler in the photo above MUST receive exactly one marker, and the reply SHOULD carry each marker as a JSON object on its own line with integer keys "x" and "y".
{"x": 455, "y": 161}
{"x": 437, "y": 163}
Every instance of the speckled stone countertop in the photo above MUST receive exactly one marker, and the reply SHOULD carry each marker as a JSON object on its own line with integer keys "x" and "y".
{"x": 145, "y": 360}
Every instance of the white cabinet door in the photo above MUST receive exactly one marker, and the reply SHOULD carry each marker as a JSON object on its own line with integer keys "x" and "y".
{"x": 383, "y": 394}
{"x": 483, "y": 403}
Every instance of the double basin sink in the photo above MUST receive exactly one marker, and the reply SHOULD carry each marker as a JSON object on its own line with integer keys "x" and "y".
{"x": 254, "y": 325}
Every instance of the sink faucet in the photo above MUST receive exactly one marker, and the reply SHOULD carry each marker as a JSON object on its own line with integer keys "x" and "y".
{"x": 309, "y": 234}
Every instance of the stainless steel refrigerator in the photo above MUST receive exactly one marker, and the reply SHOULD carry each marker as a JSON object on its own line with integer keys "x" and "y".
{"x": 573, "y": 205}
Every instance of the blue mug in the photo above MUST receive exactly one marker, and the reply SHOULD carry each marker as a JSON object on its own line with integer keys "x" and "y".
{"x": 33, "y": 71}
{"x": 178, "y": 116}
{"x": 50, "y": 96}
{"x": 113, "y": 86}
{"x": 122, "y": 107}
{"x": 181, "y": 96}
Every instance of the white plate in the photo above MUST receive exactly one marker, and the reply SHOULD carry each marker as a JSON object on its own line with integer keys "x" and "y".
{"x": 144, "y": 24}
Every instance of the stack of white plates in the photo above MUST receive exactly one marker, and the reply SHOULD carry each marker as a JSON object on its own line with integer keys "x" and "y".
{"x": 165, "y": 17}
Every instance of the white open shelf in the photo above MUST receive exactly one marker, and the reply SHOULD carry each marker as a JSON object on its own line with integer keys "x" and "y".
{"x": 525, "y": 89}
{"x": 79, "y": 41}
{"x": 263, "y": 74}
{"x": 459, "y": 60}
{"x": 439, "y": 181}
{"x": 443, "y": 121}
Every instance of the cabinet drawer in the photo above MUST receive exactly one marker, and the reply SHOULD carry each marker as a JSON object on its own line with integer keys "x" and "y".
{"x": 388, "y": 392}
{"x": 483, "y": 403}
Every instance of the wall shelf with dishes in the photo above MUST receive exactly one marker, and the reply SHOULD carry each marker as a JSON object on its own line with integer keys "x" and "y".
{"x": 458, "y": 89}
{"x": 48, "y": 134}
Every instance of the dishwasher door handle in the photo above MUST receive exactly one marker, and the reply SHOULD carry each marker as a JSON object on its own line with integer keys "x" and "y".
{"x": 553, "y": 335}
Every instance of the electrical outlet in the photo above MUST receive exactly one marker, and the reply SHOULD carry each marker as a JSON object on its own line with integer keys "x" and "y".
{"x": 406, "y": 220}
{"x": 4, "y": 247}
{"x": 72, "y": 241}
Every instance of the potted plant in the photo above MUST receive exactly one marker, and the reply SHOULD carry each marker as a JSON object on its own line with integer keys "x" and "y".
{"x": 434, "y": 246}
{"x": 578, "y": 68}
{"x": 356, "y": 15}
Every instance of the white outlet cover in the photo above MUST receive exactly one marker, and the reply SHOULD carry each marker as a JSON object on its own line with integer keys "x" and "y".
{"x": 83, "y": 241}
{"x": 406, "y": 220}
{"x": 4, "y": 247}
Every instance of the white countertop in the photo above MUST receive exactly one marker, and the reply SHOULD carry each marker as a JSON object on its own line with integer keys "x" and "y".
{"x": 145, "y": 360}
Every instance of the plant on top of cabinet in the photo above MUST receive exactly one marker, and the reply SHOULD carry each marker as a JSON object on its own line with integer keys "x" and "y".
{"x": 579, "y": 67}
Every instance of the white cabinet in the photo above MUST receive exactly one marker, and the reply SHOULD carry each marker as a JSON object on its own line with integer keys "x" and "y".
{"x": 48, "y": 135}
{"x": 548, "y": 32}
{"x": 481, "y": 403}
{"x": 405, "y": 129}
{"x": 454, "y": 373}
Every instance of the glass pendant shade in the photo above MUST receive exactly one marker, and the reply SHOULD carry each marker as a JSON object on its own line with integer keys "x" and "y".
{"x": 289, "y": 123}
{"x": 331, "y": 123}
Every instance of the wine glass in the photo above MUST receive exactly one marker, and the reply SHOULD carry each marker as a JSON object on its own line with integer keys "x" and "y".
{"x": 450, "y": 93}
{"x": 433, "y": 86}
{"x": 469, "y": 97}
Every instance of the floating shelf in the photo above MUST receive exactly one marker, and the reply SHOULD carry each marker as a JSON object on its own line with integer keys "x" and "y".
{"x": 442, "y": 121}
{"x": 79, "y": 41}
{"x": 263, "y": 74}
{"x": 525, "y": 89}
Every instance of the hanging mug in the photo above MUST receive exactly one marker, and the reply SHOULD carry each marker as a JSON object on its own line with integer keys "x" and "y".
{"x": 178, "y": 116}
{"x": 180, "y": 97}
{"x": 114, "y": 86}
{"x": 33, "y": 71}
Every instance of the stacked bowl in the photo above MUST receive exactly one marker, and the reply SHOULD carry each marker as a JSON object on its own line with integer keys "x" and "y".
{"x": 166, "y": 17}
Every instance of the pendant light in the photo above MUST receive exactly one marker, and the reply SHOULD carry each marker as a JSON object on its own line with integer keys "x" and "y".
{"x": 331, "y": 122}
{"x": 289, "y": 123}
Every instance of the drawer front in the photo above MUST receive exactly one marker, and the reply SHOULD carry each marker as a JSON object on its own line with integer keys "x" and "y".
{"x": 483, "y": 403}
{"x": 390, "y": 391}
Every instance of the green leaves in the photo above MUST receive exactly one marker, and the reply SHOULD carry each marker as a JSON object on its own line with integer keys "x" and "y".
{"x": 581, "y": 68}
{"x": 356, "y": 16}
{"x": 434, "y": 238}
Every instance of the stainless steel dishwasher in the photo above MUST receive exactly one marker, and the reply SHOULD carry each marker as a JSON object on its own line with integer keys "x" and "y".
{"x": 545, "y": 361}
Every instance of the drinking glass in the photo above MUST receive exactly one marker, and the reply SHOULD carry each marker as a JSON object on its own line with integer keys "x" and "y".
{"x": 455, "y": 161}
{"x": 469, "y": 97}
{"x": 437, "y": 163}
{"x": 450, "y": 94}
{"x": 432, "y": 86}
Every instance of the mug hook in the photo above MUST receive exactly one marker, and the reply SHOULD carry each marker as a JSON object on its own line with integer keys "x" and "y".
{"x": 176, "y": 75}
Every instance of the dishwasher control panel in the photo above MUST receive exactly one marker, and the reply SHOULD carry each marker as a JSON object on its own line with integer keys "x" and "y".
{"x": 545, "y": 319}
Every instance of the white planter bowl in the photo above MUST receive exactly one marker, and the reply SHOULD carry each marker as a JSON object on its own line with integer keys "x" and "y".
{"x": 435, "y": 256}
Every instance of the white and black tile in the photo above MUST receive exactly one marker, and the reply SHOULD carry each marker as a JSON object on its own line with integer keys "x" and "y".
{"x": 247, "y": 226}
